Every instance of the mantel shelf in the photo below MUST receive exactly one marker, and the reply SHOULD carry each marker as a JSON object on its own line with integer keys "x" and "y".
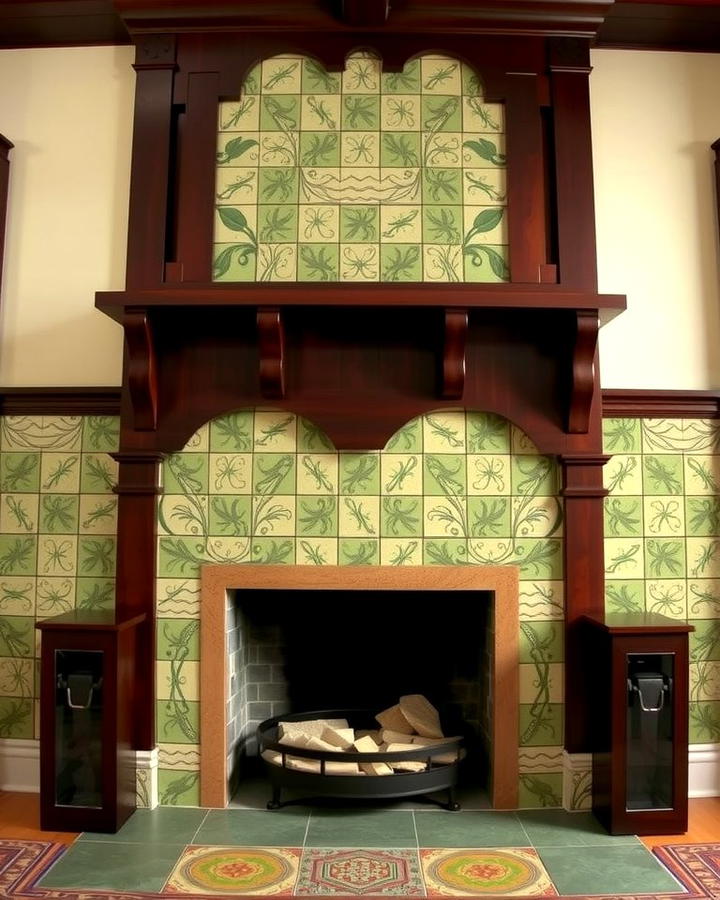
{"x": 470, "y": 296}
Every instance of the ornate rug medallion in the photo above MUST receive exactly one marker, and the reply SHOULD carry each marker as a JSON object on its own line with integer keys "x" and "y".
{"x": 360, "y": 872}
{"x": 235, "y": 870}
{"x": 485, "y": 872}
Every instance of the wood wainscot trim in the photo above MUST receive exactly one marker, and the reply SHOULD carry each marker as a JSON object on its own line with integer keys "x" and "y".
{"x": 660, "y": 404}
{"x": 61, "y": 401}
{"x": 501, "y": 581}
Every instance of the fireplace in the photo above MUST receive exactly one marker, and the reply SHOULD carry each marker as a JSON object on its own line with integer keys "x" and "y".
{"x": 272, "y": 602}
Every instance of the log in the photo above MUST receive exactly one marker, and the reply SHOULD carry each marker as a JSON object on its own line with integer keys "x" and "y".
{"x": 338, "y": 737}
{"x": 421, "y": 714}
{"x": 394, "y": 719}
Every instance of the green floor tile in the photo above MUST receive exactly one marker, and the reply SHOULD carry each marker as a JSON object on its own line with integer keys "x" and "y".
{"x": 250, "y": 827}
{"x": 361, "y": 828}
{"x": 102, "y": 865}
{"x": 158, "y": 826}
{"x": 557, "y": 828}
{"x": 606, "y": 870}
{"x": 469, "y": 829}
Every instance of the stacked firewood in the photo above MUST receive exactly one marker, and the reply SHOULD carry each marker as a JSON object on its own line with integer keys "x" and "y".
{"x": 409, "y": 725}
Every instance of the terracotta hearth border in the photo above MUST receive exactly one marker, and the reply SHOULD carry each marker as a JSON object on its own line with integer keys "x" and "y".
{"x": 502, "y": 581}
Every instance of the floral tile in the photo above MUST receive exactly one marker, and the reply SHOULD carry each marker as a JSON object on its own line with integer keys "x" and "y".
{"x": 235, "y": 871}
{"x": 370, "y": 872}
{"x": 485, "y": 872}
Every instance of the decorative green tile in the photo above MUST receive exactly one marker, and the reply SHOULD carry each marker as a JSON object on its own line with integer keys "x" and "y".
{"x": 488, "y": 475}
{"x": 621, "y": 436}
{"x": 402, "y": 516}
{"x": 318, "y": 223}
{"x": 445, "y": 552}
{"x": 281, "y": 112}
{"x": 17, "y": 595}
{"x": 488, "y": 517}
{"x": 540, "y": 558}
{"x": 311, "y": 437}
{"x": 533, "y": 475}
{"x": 100, "y": 433}
{"x": 18, "y": 554}
{"x": 359, "y": 516}
{"x": 666, "y": 597}
{"x": 179, "y": 556}
{"x": 16, "y": 718}
{"x": 96, "y": 556}
{"x": 60, "y": 472}
{"x": 59, "y": 513}
{"x": 399, "y": 552}
{"x": 705, "y": 722}
{"x": 444, "y": 475}
{"x": 359, "y": 224}
{"x": 624, "y": 558}
{"x": 400, "y": 112}
{"x": 401, "y": 474}
{"x": 359, "y": 473}
{"x": 98, "y": 514}
{"x": 17, "y": 677}
{"x": 703, "y": 557}
{"x": 702, "y": 516}
{"x": 178, "y": 720}
{"x": 273, "y": 473}
{"x": 400, "y": 262}
{"x": 186, "y": 473}
{"x": 624, "y": 596}
{"x": 360, "y": 112}
{"x": 400, "y": 150}
{"x": 541, "y": 642}
{"x": 17, "y": 636}
{"x": 317, "y": 262}
{"x": 407, "y": 439}
{"x": 704, "y": 598}
{"x": 316, "y": 78}
{"x": 317, "y": 552}
{"x": 95, "y": 593}
{"x": 319, "y": 111}
{"x": 358, "y": 552}
{"x": 664, "y": 558}
{"x": 234, "y": 262}
{"x": 441, "y": 186}
{"x": 278, "y": 185}
{"x": 408, "y": 80}
{"x": 272, "y": 551}
{"x": 702, "y": 474}
{"x": 664, "y": 516}
{"x": 19, "y": 513}
{"x": 623, "y": 516}
{"x": 541, "y": 724}
{"x": 20, "y": 472}
{"x": 539, "y": 790}
{"x": 277, "y": 223}
{"x": 487, "y": 433}
{"x": 705, "y": 640}
{"x": 623, "y": 475}
{"x": 232, "y": 433}
{"x": 99, "y": 474}
{"x": 662, "y": 474}
{"x": 55, "y": 596}
{"x": 230, "y": 515}
{"x": 316, "y": 516}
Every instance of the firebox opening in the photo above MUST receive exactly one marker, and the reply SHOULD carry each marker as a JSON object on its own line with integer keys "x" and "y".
{"x": 298, "y": 651}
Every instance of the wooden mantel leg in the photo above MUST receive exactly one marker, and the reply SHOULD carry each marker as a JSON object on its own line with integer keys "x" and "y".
{"x": 583, "y": 492}
{"x": 137, "y": 490}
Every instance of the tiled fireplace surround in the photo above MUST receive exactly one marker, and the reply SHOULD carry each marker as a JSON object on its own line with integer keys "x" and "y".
{"x": 222, "y": 587}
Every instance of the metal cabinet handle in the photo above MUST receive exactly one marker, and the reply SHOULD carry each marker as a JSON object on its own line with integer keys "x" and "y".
{"x": 80, "y": 705}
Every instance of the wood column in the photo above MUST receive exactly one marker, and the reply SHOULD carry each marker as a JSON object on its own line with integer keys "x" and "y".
{"x": 583, "y": 492}
{"x": 569, "y": 88}
{"x": 137, "y": 489}
{"x": 151, "y": 172}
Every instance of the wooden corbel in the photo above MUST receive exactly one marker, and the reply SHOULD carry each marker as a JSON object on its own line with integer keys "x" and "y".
{"x": 271, "y": 345}
{"x": 453, "y": 359}
{"x": 587, "y": 324}
{"x": 141, "y": 368}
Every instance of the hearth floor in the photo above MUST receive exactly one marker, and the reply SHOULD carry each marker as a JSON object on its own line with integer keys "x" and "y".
{"x": 365, "y": 851}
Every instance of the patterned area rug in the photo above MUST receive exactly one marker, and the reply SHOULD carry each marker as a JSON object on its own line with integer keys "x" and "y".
{"x": 209, "y": 872}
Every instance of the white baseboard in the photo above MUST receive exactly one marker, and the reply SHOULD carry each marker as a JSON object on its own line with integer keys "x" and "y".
{"x": 19, "y": 765}
{"x": 704, "y": 770}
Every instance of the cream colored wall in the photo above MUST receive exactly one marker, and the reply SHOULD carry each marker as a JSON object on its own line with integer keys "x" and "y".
{"x": 69, "y": 113}
{"x": 654, "y": 116}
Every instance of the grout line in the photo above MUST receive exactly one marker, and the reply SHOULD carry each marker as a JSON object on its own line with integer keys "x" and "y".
{"x": 417, "y": 839}
{"x": 307, "y": 828}
{"x": 520, "y": 822}
{"x": 197, "y": 830}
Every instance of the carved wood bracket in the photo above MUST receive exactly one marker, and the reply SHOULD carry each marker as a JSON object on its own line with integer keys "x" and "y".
{"x": 453, "y": 361}
{"x": 587, "y": 326}
{"x": 141, "y": 368}
{"x": 271, "y": 345}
